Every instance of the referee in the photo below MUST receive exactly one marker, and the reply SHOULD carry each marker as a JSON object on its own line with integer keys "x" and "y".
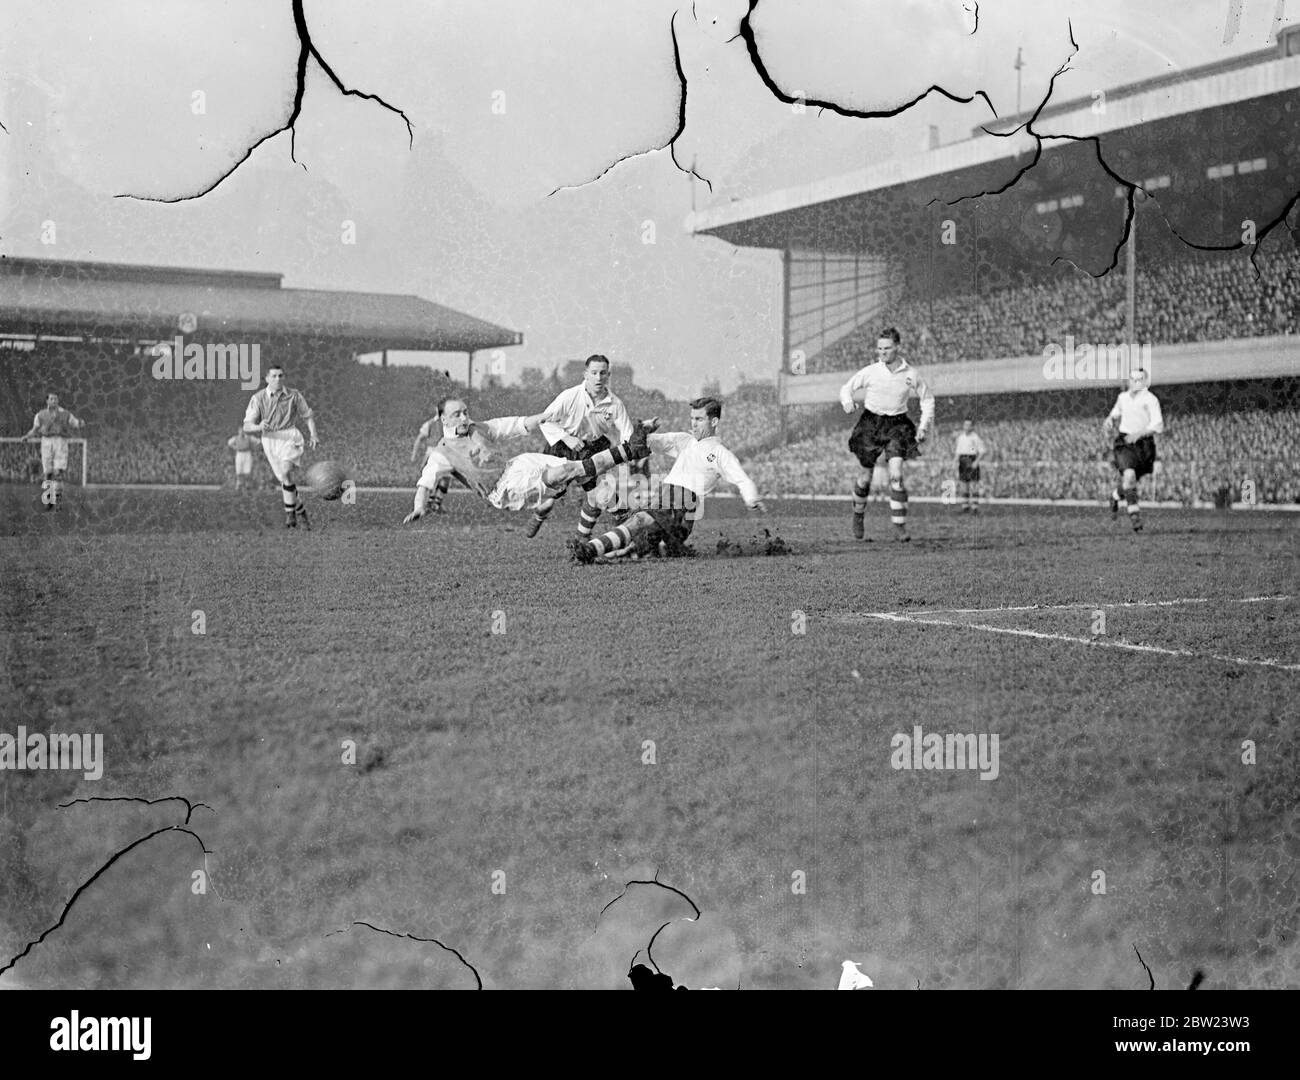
{"x": 884, "y": 427}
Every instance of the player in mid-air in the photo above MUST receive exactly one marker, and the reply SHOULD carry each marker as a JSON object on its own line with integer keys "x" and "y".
{"x": 1138, "y": 412}
{"x": 273, "y": 414}
{"x": 423, "y": 438}
{"x": 242, "y": 443}
{"x": 969, "y": 450}
{"x": 885, "y": 427}
{"x": 53, "y": 425}
{"x": 581, "y": 421}
{"x": 470, "y": 451}
{"x": 702, "y": 463}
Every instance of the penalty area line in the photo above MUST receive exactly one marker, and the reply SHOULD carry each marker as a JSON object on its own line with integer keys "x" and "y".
{"x": 889, "y": 616}
{"x": 1083, "y": 606}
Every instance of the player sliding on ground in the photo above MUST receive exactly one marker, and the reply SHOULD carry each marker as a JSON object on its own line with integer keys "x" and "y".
{"x": 470, "y": 452}
{"x": 885, "y": 426}
{"x": 702, "y": 462}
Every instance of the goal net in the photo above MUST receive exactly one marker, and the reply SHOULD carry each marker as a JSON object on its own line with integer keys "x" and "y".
{"x": 20, "y": 462}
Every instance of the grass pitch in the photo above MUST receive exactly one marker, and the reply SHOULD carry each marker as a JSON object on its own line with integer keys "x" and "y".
{"x": 437, "y": 755}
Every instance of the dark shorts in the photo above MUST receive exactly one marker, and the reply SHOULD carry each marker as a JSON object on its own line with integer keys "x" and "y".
{"x": 895, "y": 436}
{"x": 1139, "y": 456}
{"x": 967, "y": 471}
{"x": 562, "y": 450}
{"x": 673, "y": 521}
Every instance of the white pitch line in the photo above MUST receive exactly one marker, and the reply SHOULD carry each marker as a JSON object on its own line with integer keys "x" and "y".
{"x": 1085, "y": 606}
{"x": 1107, "y": 644}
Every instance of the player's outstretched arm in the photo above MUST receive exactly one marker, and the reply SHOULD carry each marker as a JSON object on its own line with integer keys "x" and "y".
{"x": 421, "y": 505}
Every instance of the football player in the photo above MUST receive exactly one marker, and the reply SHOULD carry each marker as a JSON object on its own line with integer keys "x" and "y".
{"x": 422, "y": 437}
{"x": 885, "y": 427}
{"x": 471, "y": 452}
{"x": 702, "y": 462}
{"x": 272, "y": 414}
{"x": 52, "y": 424}
{"x": 1140, "y": 421}
{"x": 581, "y": 421}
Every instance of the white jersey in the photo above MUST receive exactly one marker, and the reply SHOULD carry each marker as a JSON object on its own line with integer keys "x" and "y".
{"x": 1137, "y": 412}
{"x": 477, "y": 455}
{"x": 702, "y": 463}
{"x": 576, "y": 412}
{"x": 969, "y": 445}
{"x": 886, "y": 392}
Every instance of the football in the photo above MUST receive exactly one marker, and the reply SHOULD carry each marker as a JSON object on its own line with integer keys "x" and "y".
{"x": 326, "y": 479}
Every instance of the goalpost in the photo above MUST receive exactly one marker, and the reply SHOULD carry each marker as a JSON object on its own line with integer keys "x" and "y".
{"x": 20, "y": 461}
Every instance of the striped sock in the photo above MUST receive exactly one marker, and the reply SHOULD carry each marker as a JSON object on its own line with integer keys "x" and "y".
{"x": 860, "y": 492}
{"x": 898, "y": 503}
{"x": 612, "y": 540}
{"x": 606, "y": 460}
{"x": 587, "y": 518}
{"x": 289, "y": 494}
{"x": 1131, "y": 497}
{"x": 975, "y": 498}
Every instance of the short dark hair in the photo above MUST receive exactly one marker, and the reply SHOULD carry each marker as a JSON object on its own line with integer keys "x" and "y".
{"x": 275, "y": 367}
{"x": 890, "y": 332}
{"x": 596, "y": 358}
{"x": 712, "y": 407}
{"x": 442, "y": 404}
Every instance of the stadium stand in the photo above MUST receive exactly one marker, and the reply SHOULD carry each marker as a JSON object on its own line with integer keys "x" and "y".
{"x": 142, "y": 430}
{"x": 1212, "y": 296}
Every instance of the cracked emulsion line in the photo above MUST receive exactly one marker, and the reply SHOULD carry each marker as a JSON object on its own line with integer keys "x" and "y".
{"x": 654, "y": 881}
{"x": 412, "y": 937}
{"x": 1131, "y": 187}
{"x": 1144, "y": 964}
{"x": 189, "y": 806}
{"x": 650, "y": 944}
{"x": 751, "y": 43}
{"x": 1094, "y": 641}
{"x": 671, "y": 144}
{"x": 94, "y": 877}
{"x": 306, "y": 51}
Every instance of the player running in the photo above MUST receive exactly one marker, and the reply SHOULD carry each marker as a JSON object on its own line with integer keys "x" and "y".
{"x": 470, "y": 451}
{"x": 272, "y": 414}
{"x": 884, "y": 426}
{"x": 52, "y": 424}
{"x": 970, "y": 448}
{"x": 1140, "y": 421}
{"x": 702, "y": 462}
{"x": 581, "y": 421}
{"x": 423, "y": 437}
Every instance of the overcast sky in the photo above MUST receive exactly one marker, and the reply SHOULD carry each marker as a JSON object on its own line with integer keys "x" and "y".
{"x": 509, "y": 100}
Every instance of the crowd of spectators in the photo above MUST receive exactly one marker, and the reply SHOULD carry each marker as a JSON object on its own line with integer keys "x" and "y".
{"x": 1206, "y": 296}
{"x": 1202, "y": 455}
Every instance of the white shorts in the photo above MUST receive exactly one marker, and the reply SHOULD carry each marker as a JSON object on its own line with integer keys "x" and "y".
{"x": 521, "y": 485}
{"x": 283, "y": 450}
{"x": 243, "y": 462}
{"x": 54, "y": 453}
